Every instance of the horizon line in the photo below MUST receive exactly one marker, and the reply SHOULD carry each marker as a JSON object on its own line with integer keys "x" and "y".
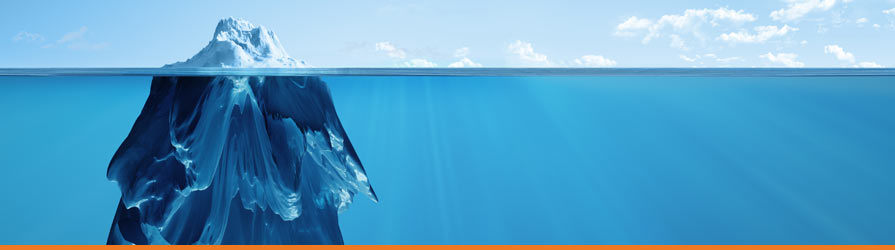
{"x": 443, "y": 71}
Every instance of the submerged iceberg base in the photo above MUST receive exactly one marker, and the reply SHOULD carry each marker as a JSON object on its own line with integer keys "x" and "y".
{"x": 242, "y": 227}
{"x": 235, "y": 160}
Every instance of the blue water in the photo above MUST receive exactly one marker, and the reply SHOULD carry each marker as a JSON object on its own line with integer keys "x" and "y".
{"x": 518, "y": 160}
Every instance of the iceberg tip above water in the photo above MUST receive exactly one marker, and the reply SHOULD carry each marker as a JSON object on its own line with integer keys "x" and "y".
{"x": 238, "y": 43}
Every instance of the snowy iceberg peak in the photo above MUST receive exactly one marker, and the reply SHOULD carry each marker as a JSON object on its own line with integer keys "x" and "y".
{"x": 238, "y": 43}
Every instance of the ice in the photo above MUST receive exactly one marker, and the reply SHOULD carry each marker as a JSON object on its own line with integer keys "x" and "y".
{"x": 239, "y": 44}
{"x": 236, "y": 160}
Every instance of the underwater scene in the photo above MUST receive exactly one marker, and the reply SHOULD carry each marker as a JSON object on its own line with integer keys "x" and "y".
{"x": 796, "y": 156}
{"x": 391, "y": 124}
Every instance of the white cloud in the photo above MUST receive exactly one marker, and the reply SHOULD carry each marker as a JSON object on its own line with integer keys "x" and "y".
{"x": 692, "y": 19}
{"x": 729, "y": 59}
{"x": 593, "y": 61}
{"x": 861, "y": 20}
{"x": 796, "y": 9}
{"x": 419, "y": 63}
{"x": 690, "y": 23}
{"x": 786, "y": 59}
{"x": 76, "y": 40}
{"x": 696, "y": 17}
{"x": 844, "y": 56}
{"x": 394, "y": 52}
{"x": 686, "y": 58}
{"x": 29, "y": 37}
{"x": 525, "y": 52}
{"x": 461, "y": 52}
{"x": 731, "y": 15}
{"x": 391, "y": 50}
{"x": 633, "y": 23}
{"x": 804, "y": 42}
{"x": 868, "y": 65}
{"x": 464, "y": 63}
{"x": 709, "y": 57}
{"x": 890, "y": 17}
{"x": 839, "y": 53}
{"x": 762, "y": 34}
{"x": 74, "y": 35}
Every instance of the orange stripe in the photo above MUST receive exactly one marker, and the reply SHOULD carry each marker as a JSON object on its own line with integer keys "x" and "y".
{"x": 470, "y": 247}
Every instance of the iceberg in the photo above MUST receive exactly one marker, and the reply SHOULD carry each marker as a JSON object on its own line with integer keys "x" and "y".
{"x": 236, "y": 160}
{"x": 238, "y": 43}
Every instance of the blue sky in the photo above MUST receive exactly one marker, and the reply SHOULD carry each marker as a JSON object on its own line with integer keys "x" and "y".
{"x": 531, "y": 33}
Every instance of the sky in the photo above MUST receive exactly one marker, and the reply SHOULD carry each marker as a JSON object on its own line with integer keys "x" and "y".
{"x": 461, "y": 33}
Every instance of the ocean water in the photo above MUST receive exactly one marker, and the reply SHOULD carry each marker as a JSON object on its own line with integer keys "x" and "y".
{"x": 506, "y": 156}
